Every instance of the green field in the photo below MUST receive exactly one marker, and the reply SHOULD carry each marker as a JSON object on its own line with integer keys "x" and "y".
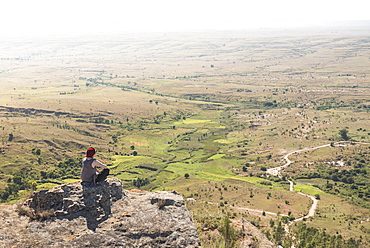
{"x": 307, "y": 189}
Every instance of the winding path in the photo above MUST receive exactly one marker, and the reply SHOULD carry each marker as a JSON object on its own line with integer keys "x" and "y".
{"x": 277, "y": 172}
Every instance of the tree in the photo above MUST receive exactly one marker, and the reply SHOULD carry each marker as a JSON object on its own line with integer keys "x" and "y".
{"x": 228, "y": 233}
{"x": 279, "y": 233}
{"x": 36, "y": 151}
{"x": 272, "y": 223}
{"x": 140, "y": 182}
{"x": 344, "y": 134}
{"x": 186, "y": 175}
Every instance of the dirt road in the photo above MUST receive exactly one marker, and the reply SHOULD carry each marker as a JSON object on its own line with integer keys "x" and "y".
{"x": 277, "y": 172}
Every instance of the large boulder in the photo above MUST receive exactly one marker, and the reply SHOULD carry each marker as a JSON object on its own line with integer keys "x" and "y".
{"x": 74, "y": 198}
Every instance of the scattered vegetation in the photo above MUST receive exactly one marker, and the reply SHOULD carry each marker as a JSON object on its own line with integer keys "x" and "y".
{"x": 208, "y": 121}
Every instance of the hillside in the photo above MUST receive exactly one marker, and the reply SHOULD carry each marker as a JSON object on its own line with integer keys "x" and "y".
{"x": 208, "y": 115}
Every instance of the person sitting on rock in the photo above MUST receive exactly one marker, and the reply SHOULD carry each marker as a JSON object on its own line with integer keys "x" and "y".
{"x": 90, "y": 174}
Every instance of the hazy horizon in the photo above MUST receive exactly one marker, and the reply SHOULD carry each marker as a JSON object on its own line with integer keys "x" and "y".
{"x": 50, "y": 18}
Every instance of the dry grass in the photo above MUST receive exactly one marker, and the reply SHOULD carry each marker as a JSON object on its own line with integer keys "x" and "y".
{"x": 35, "y": 214}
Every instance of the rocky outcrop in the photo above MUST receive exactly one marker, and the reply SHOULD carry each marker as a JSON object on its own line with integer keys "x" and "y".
{"x": 254, "y": 237}
{"x": 72, "y": 215}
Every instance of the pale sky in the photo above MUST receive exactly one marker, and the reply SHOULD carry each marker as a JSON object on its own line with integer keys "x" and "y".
{"x": 25, "y": 17}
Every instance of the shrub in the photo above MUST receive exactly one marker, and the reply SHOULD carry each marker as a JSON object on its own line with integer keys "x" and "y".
{"x": 228, "y": 233}
{"x": 35, "y": 214}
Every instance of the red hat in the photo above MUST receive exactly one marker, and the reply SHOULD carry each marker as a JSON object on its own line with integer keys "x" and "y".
{"x": 90, "y": 152}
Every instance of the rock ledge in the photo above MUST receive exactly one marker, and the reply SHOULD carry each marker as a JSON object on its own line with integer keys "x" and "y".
{"x": 101, "y": 216}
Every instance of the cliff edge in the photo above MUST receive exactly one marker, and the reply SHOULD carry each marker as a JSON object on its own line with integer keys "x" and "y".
{"x": 72, "y": 215}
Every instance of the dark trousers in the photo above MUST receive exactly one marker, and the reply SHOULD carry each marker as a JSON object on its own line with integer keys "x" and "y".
{"x": 102, "y": 175}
